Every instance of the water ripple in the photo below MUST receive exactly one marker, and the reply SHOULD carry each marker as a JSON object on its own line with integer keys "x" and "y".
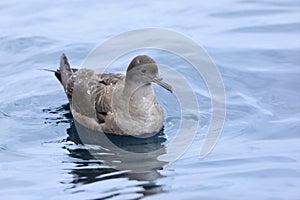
{"x": 271, "y": 28}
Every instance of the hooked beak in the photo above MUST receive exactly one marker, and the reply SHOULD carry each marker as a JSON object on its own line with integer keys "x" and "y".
{"x": 159, "y": 81}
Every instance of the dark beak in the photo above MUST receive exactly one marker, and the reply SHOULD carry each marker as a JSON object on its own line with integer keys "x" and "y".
{"x": 159, "y": 81}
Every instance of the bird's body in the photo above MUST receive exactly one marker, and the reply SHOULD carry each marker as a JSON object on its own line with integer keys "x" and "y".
{"x": 115, "y": 103}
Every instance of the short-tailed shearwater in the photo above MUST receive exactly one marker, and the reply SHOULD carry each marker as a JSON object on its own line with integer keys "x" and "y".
{"x": 115, "y": 103}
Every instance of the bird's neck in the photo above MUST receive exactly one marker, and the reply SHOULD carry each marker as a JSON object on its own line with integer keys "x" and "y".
{"x": 139, "y": 96}
{"x": 138, "y": 90}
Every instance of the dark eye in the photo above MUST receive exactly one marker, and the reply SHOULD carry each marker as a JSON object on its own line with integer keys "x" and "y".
{"x": 143, "y": 70}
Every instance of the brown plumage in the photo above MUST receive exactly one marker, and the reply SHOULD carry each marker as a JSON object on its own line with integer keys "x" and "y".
{"x": 115, "y": 103}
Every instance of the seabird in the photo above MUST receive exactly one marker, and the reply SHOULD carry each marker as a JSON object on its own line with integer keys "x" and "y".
{"x": 115, "y": 103}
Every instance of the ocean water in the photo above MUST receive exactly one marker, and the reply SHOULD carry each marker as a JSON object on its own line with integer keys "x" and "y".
{"x": 255, "y": 46}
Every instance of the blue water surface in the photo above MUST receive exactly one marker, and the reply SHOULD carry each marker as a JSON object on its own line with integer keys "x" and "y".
{"x": 254, "y": 44}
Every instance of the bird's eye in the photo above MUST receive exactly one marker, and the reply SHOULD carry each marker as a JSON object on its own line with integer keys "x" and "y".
{"x": 143, "y": 70}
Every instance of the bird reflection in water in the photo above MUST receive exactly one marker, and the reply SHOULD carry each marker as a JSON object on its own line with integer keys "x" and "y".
{"x": 107, "y": 156}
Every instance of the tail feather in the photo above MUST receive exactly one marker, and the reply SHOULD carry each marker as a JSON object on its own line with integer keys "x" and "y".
{"x": 56, "y": 73}
{"x": 65, "y": 71}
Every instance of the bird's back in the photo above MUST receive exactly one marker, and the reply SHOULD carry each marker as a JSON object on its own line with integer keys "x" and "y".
{"x": 89, "y": 93}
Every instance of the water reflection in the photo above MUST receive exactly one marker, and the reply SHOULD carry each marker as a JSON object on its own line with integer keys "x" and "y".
{"x": 98, "y": 157}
